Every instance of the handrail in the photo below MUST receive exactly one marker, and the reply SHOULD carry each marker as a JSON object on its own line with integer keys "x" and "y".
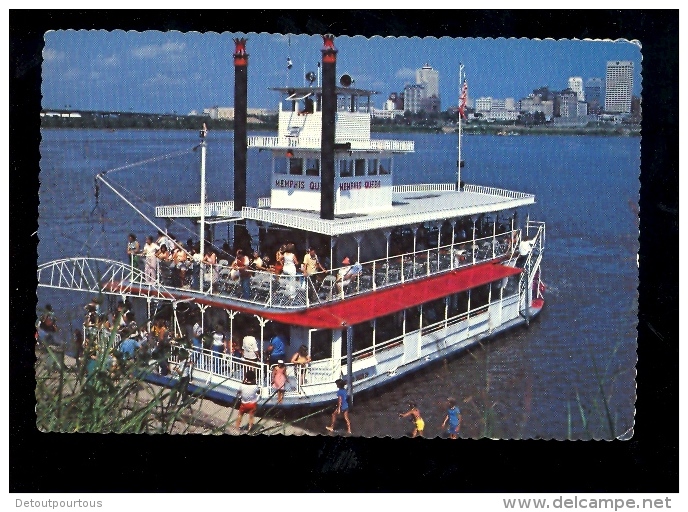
{"x": 424, "y": 187}
{"x": 481, "y": 189}
{"x": 267, "y": 289}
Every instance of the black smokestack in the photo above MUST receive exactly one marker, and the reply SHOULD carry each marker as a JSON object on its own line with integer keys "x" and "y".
{"x": 329, "y": 109}
{"x": 240, "y": 108}
{"x": 241, "y": 237}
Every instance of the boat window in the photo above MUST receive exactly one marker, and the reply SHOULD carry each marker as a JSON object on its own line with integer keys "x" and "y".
{"x": 388, "y": 327}
{"x": 312, "y": 167}
{"x": 346, "y": 168}
{"x": 385, "y": 166}
{"x": 363, "y": 338}
{"x": 433, "y": 312}
{"x": 280, "y": 166}
{"x": 321, "y": 344}
{"x": 296, "y": 166}
{"x": 458, "y": 304}
{"x": 412, "y": 319}
{"x": 359, "y": 167}
{"x": 372, "y": 166}
{"x": 511, "y": 285}
{"x": 480, "y": 296}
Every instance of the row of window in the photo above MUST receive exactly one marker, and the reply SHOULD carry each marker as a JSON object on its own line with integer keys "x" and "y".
{"x": 393, "y": 325}
{"x": 344, "y": 168}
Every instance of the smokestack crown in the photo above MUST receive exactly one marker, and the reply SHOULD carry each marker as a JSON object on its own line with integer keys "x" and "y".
{"x": 240, "y": 55}
{"x": 329, "y": 52}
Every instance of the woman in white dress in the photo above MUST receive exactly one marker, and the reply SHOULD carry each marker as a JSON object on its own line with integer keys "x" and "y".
{"x": 289, "y": 268}
{"x": 149, "y": 251}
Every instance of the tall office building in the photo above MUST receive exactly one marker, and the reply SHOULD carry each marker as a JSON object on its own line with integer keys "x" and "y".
{"x": 619, "y": 86}
{"x": 430, "y": 78}
{"x": 594, "y": 95}
{"x": 413, "y": 94}
{"x": 576, "y": 85}
{"x": 593, "y": 89}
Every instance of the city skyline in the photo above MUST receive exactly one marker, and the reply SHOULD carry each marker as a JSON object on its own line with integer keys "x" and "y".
{"x": 168, "y": 72}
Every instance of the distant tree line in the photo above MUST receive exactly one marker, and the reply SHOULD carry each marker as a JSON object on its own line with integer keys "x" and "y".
{"x": 148, "y": 121}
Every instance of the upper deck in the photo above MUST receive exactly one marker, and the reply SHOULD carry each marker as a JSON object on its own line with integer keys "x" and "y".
{"x": 411, "y": 204}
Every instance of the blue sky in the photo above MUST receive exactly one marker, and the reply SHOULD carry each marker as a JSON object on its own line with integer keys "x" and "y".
{"x": 167, "y": 72}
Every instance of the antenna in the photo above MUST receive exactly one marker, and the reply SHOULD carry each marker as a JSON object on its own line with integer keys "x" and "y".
{"x": 346, "y": 80}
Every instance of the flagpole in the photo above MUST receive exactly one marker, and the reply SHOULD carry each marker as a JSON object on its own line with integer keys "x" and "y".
{"x": 458, "y": 162}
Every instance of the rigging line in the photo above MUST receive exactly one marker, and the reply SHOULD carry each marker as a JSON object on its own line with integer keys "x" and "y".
{"x": 148, "y": 160}
{"x": 152, "y": 206}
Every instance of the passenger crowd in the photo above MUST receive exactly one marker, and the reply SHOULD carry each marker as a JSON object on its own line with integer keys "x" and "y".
{"x": 180, "y": 265}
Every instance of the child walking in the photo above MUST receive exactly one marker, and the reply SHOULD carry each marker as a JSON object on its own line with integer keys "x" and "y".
{"x": 342, "y": 407}
{"x": 454, "y": 418}
{"x": 418, "y": 423}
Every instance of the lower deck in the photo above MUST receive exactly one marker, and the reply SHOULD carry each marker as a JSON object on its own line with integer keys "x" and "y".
{"x": 381, "y": 358}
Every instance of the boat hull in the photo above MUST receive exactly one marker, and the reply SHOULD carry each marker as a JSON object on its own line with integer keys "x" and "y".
{"x": 364, "y": 378}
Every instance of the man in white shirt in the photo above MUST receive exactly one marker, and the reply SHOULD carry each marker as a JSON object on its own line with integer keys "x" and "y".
{"x": 250, "y": 347}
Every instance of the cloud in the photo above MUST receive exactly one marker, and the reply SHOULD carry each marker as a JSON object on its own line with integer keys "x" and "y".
{"x": 163, "y": 80}
{"x": 50, "y": 55}
{"x": 110, "y": 61}
{"x": 71, "y": 74}
{"x": 405, "y": 73}
{"x": 152, "y": 51}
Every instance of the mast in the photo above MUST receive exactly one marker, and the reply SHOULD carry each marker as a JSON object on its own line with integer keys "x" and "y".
{"x": 463, "y": 91}
{"x": 203, "y": 133}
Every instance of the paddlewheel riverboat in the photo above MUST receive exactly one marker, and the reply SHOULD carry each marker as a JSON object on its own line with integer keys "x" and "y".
{"x": 433, "y": 268}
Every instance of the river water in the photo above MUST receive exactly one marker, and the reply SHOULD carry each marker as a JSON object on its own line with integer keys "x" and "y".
{"x": 570, "y": 374}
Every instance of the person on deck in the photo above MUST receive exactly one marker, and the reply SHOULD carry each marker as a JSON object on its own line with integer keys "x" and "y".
{"x": 279, "y": 380}
{"x": 276, "y": 349}
{"x": 346, "y": 274}
{"x": 149, "y": 251}
{"x": 311, "y": 266}
{"x": 241, "y": 264}
{"x": 300, "y": 360}
{"x": 179, "y": 262}
{"x": 250, "y": 347}
{"x": 133, "y": 250}
{"x": 290, "y": 263}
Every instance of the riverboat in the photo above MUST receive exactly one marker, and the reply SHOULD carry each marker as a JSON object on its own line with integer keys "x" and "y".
{"x": 432, "y": 268}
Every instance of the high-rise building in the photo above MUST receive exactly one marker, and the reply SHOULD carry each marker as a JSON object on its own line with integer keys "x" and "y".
{"x": 576, "y": 85}
{"x": 594, "y": 94}
{"x": 430, "y": 78}
{"x": 619, "y": 90}
{"x": 483, "y": 104}
{"x": 413, "y": 94}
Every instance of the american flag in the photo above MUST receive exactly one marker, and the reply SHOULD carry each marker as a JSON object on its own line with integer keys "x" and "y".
{"x": 464, "y": 97}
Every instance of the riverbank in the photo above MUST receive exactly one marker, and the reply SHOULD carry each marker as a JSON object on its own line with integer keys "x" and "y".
{"x": 482, "y": 128}
{"x": 58, "y": 374}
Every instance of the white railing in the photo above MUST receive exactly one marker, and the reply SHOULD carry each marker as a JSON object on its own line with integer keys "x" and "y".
{"x": 492, "y": 191}
{"x": 233, "y": 369}
{"x": 100, "y": 275}
{"x": 267, "y": 289}
{"x": 306, "y": 142}
{"x": 213, "y": 209}
{"x": 425, "y": 187}
{"x": 407, "y": 146}
{"x": 530, "y": 267}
